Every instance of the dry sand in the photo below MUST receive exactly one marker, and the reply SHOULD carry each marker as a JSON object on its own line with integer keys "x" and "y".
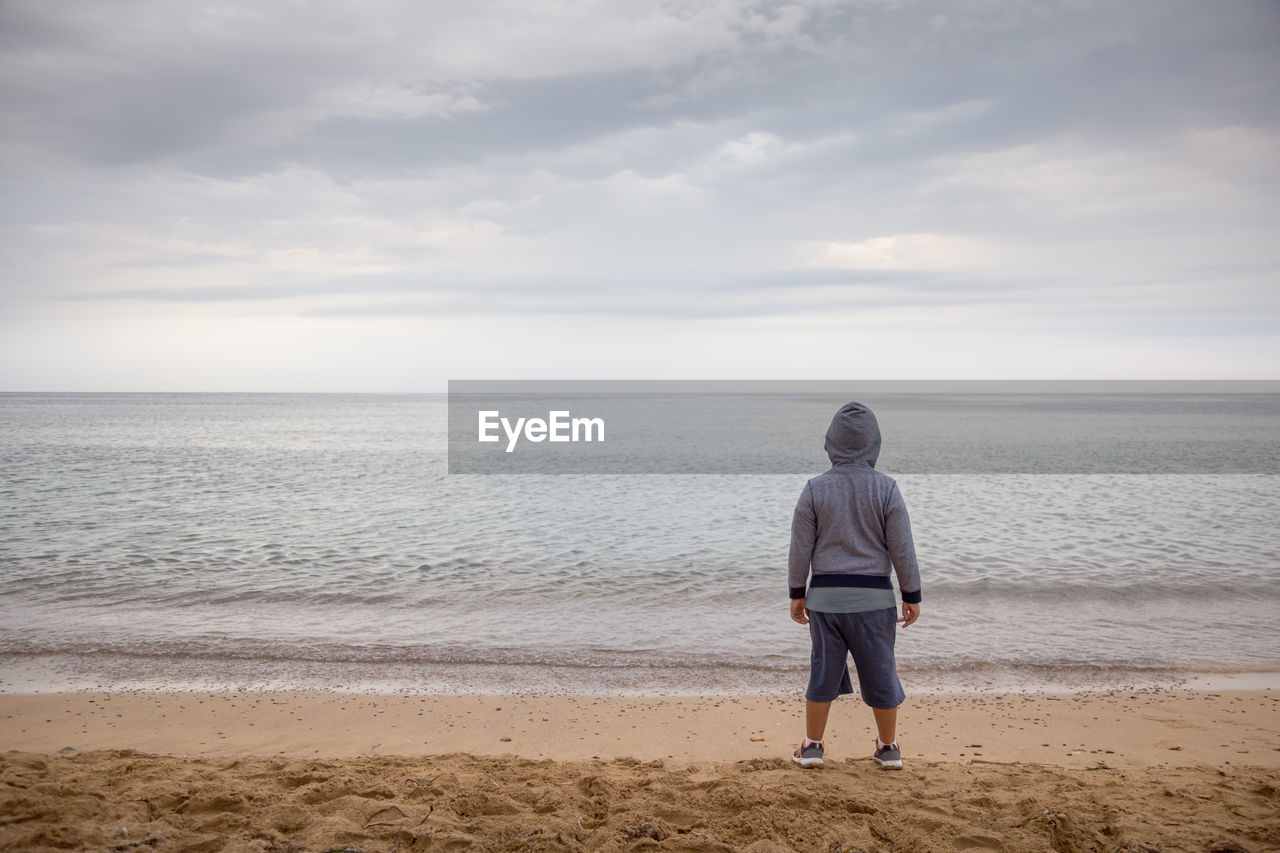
{"x": 1127, "y": 771}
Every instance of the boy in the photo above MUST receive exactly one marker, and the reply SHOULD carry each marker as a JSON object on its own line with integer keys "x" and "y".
{"x": 851, "y": 526}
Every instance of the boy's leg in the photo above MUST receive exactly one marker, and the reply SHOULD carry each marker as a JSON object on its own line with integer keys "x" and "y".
{"x": 886, "y": 723}
{"x": 828, "y": 673}
{"x": 815, "y": 718}
{"x": 870, "y": 636}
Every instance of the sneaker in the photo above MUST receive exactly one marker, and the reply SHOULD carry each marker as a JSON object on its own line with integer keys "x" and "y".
{"x": 808, "y": 756}
{"x": 889, "y": 757}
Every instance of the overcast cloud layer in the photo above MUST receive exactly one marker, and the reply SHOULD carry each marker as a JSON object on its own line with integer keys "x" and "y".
{"x": 381, "y": 196}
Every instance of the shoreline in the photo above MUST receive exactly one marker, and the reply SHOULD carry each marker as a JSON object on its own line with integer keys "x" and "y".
{"x": 109, "y": 672}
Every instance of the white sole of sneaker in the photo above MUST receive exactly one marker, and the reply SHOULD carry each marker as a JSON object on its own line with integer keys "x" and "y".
{"x": 807, "y": 762}
{"x": 890, "y": 765}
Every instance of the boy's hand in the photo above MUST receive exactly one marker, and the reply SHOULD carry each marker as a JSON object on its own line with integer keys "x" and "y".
{"x": 798, "y": 612}
{"x": 910, "y": 613}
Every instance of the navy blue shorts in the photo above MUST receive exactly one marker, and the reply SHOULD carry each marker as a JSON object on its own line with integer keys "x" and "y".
{"x": 869, "y": 637}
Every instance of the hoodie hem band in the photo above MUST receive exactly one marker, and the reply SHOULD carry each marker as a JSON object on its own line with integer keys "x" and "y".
{"x": 864, "y": 581}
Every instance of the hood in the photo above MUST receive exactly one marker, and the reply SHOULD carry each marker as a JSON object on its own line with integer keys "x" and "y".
{"x": 854, "y": 436}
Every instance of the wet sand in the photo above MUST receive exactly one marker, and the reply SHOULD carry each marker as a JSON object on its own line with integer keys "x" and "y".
{"x": 1149, "y": 728}
{"x": 289, "y": 771}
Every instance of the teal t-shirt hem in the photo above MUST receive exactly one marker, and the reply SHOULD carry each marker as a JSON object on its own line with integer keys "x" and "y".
{"x": 848, "y": 599}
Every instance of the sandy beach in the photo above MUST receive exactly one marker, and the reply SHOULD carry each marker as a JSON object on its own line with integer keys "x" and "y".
{"x": 1138, "y": 770}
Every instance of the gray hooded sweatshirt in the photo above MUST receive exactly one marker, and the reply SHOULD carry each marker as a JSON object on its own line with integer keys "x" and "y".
{"x": 851, "y": 524}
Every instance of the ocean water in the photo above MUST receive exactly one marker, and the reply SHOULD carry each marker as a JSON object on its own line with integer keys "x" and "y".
{"x": 318, "y": 542}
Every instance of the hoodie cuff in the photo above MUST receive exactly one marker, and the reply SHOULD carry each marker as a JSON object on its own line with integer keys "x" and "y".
{"x": 911, "y": 597}
{"x": 797, "y": 591}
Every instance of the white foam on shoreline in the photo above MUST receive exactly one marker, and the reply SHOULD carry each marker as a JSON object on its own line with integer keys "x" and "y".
{"x": 56, "y": 674}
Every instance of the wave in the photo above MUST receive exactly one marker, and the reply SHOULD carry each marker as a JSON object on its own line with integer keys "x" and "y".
{"x": 614, "y": 585}
{"x": 582, "y": 659}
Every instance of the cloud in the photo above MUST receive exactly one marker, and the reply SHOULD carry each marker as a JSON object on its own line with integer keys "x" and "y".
{"x": 138, "y": 81}
{"x": 1071, "y": 168}
{"x": 945, "y": 252}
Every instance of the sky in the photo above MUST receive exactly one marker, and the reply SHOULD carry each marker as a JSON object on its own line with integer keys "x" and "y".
{"x": 382, "y": 196}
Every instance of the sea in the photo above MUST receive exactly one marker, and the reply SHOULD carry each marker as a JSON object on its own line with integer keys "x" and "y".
{"x": 319, "y": 542}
